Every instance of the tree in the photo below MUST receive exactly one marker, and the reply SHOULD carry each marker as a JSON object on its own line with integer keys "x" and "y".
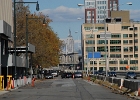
{"x": 46, "y": 42}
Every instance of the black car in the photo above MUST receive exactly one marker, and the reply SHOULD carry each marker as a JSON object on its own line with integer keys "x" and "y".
{"x": 101, "y": 72}
{"x": 131, "y": 75}
{"x": 112, "y": 74}
{"x": 66, "y": 75}
{"x": 48, "y": 76}
{"x": 78, "y": 75}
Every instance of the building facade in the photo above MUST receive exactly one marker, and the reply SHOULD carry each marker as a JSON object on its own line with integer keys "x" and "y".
{"x": 95, "y": 9}
{"x": 7, "y": 51}
{"x": 122, "y": 47}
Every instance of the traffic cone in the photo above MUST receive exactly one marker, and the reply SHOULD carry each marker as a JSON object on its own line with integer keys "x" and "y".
{"x": 12, "y": 84}
{"x": 33, "y": 82}
{"x": 88, "y": 78}
{"x": 7, "y": 85}
{"x": 73, "y": 76}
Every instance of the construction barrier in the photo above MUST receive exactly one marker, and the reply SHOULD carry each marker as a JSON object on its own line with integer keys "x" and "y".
{"x": 1, "y": 82}
{"x": 9, "y": 82}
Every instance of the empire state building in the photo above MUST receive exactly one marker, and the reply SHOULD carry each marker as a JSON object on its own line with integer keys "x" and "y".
{"x": 69, "y": 44}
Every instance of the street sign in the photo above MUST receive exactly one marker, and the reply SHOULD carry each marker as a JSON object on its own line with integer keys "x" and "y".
{"x": 94, "y": 55}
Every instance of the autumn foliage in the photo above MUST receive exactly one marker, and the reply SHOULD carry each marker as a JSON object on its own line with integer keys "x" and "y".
{"x": 45, "y": 40}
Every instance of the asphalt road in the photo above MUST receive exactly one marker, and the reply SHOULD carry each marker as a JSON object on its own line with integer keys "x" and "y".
{"x": 63, "y": 89}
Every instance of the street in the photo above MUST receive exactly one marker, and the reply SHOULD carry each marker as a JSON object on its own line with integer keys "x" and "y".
{"x": 63, "y": 89}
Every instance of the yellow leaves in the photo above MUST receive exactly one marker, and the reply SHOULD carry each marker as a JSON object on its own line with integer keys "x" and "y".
{"x": 44, "y": 39}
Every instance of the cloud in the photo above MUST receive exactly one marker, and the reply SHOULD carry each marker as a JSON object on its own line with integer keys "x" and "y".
{"x": 135, "y": 14}
{"x": 64, "y": 14}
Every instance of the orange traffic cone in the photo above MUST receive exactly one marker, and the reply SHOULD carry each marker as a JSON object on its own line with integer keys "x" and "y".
{"x": 88, "y": 78}
{"x": 7, "y": 85}
{"x": 73, "y": 76}
{"x": 33, "y": 82}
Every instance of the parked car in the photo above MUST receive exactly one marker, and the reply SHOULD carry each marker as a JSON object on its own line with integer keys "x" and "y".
{"x": 101, "y": 72}
{"x": 55, "y": 73}
{"x": 48, "y": 76}
{"x": 112, "y": 74}
{"x": 78, "y": 75}
{"x": 66, "y": 75}
{"x": 69, "y": 75}
{"x": 131, "y": 75}
{"x": 63, "y": 75}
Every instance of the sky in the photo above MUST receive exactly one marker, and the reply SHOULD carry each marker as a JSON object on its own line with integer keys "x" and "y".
{"x": 64, "y": 14}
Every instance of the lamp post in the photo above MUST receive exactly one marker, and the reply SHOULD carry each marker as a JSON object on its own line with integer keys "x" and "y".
{"x": 37, "y": 8}
{"x": 27, "y": 39}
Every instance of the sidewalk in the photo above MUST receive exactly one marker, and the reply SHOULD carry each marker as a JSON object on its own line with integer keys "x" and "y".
{"x": 6, "y": 91}
{"x": 3, "y": 92}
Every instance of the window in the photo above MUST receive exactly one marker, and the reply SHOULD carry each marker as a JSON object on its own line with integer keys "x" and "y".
{"x": 112, "y": 62}
{"x": 122, "y": 68}
{"x": 98, "y": 36}
{"x": 130, "y": 35}
{"x": 90, "y": 36}
{"x": 124, "y": 62}
{"x": 102, "y": 62}
{"x": 125, "y": 27}
{"x": 95, "y": 62}
{"x": 90, "y": 41}
{"x": 136, "y": 55}
{"x": 130, "y": 49}
{"x": 136, "y": 40}
{"x": 125, "y": 35}
{"x": 115, "y": 55}
{"x": 115, "y": 35}
{"x": 130, "y": 41}
{"x": 125, "y": 41}
{"x": 133, "y": 61}
{"x": 136, "y": 48}
{"x": 115, "y": 41}
{"x": 125, "y": 49}
{"x": 90, "y": 49}
{"x": 101, "y": 48}
{"x": 131, "y": 56}
{"x": 125, "y": 56}
{"x": 91, "y": 62}
{"x": 102, "y": 41}
{"x": 135, "y": 28}
{"x": 115, "y": 48}
{"x": 136, "y": 35}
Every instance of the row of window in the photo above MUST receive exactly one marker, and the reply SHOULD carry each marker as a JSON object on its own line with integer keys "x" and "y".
{"x": 115, "y": 62}
{"x": 112, "y": 49}
{"x": 111, "y": 41}
{"x": 123, "y": 27}
{"x": 112, "y": 68}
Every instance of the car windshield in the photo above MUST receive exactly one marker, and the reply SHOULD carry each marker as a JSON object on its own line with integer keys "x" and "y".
{"x": 113, "y": 72}
{"x": 78, "y": 73}
{"x": 131, "y": 72}
{"x": 48, "y": 74}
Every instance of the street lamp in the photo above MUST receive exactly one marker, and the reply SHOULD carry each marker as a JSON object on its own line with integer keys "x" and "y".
{"x": 27, "y": 40}
{"x": 37, "y": 8}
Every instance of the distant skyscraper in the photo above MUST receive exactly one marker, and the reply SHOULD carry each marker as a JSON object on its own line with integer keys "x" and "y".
{"x": 69, "y": 43}
{"x": 94, "y": 10}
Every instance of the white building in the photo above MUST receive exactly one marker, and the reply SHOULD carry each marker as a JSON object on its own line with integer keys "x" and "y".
{"x": 94, "y": 10}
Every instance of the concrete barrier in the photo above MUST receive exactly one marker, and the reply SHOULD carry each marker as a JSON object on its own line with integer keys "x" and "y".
{"x": 21, "y": 82}
{"x": 129, "y": 84}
